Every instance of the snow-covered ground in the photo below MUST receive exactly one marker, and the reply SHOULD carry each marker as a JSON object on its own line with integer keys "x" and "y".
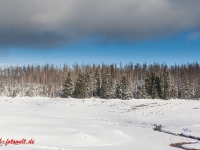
{"x": 96, "y": 124}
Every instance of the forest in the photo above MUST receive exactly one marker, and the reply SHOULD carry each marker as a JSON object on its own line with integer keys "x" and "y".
{"x": 141, "y": 81}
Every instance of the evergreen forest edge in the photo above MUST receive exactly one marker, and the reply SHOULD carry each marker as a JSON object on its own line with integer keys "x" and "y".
{"x": 141, "y": 81}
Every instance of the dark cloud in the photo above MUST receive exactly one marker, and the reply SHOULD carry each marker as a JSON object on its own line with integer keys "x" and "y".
{"x": 44, "y": 23}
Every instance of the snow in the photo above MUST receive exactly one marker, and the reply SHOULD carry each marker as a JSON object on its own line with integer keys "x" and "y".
{"x": 82, "y": 124}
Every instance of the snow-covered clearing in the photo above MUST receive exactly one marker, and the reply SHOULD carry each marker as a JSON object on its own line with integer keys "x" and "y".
{"x": 96, "y": 124}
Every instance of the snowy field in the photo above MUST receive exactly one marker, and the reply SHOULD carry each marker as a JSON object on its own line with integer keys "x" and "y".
{"x": 96, "y": 124}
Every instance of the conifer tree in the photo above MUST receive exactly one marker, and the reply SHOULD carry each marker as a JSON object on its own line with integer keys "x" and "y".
{"x": 148, "y": 85}
{"x": 174, "y": 91}
{"x": 162, "y": 86}
{"x": 151, "y": 85}
{"x": 2, "y": 89}
{"x": 143, "y": 91}
{"x": 88, "y": 80}
{"x": 113, "y": 83}
{"x": 96, "y": 91}
{"x": 87, "y": 83}
{"x": 112, "y": 71}
{"x": 184, "y": 93}
{"x": 197, "y": 93}
{"x": 193, "y": 93}
{"x": 139, "y": 92}
{"x": 179, "y": 93}
{"x": 14, "y": 94}
{"x": 119, "y": 91}
{"x": 155, "y": 87}
{"x": 84, "y": 86}
{"x": 67, "y": 87}
{"x": 166, "y": 84}
{"x": 113, "y": 86}
{"x": 126, "y": 89}
{"x": 106, "y": 87}
{"x": 80, "y": 87}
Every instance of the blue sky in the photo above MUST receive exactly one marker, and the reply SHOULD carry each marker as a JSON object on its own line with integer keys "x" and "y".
{"x": 90, "y": 32}
{"x": 177, "y": 49}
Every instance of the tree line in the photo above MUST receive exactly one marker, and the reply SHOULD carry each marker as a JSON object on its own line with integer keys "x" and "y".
{"x": 104, "y": 81}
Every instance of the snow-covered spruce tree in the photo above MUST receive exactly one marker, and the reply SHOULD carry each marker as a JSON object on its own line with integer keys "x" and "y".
{"x": 192, "y": 92}
{"x": 112, "y": 71}
{"x": 197, "y": 92}
{"x": 119, "y": 91}
{"x": 185, "y": 91}
{"x": 108, "y": 87}
{"x": 68, "y": 87}
{"x": 80, "y": 87}
{"x": 14, "y": 94}
{"x": 126, "y": 89}
{"x": 84, "y": 86}
{"x": 97, "y": 90}
{"x": 113, "y": 81}
{"x": 174, "y": 91}
{"x": 167, "y": 78}
{"x": 113, "y": 88}
{"x": 2, "y": 89}
{"x": 89, "y": 84}
{"x": 155, "y": 87}
{"x": 148, "y": 85}
{"x": 151, "y": 85}
{"x": 158, "y": 86}
{"x": 162, "y": 86}
{"x": 141, "y": 92}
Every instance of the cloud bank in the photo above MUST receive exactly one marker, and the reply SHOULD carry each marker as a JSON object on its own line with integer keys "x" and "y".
{"x": 46, "y": 23}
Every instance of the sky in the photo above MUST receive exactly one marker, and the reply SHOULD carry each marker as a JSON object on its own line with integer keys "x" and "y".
{"x": 110, "y": 31}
